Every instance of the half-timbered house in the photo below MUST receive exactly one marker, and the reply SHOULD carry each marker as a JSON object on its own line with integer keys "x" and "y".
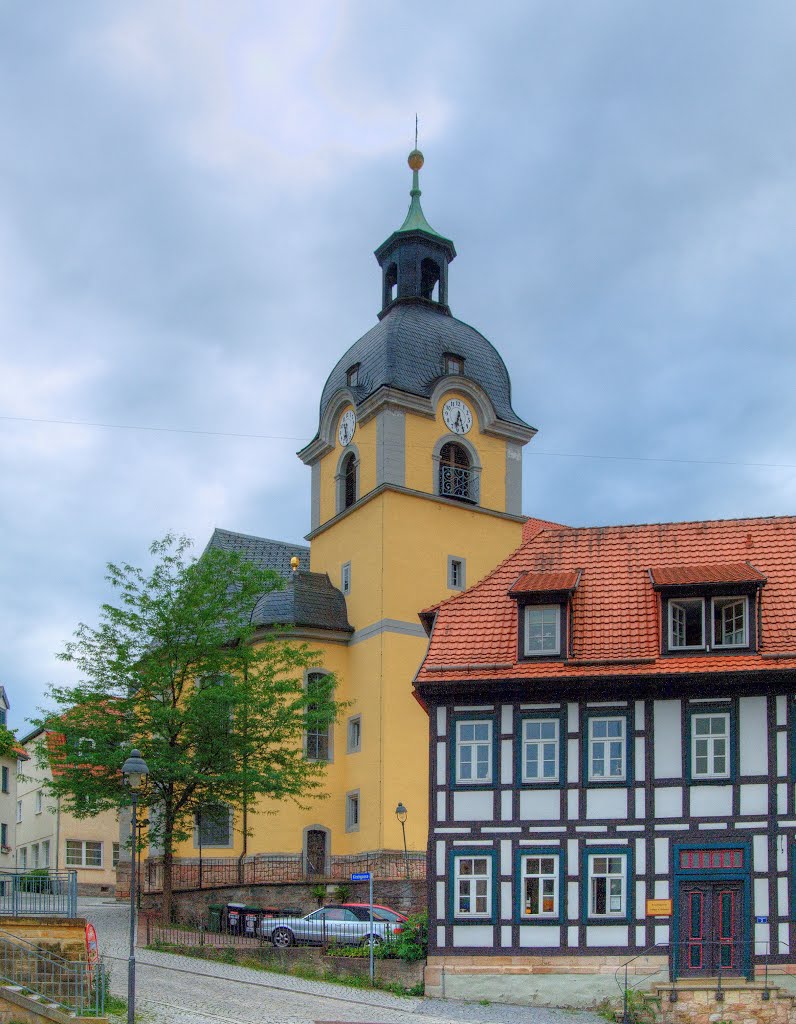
{"x": 612, "y": 760}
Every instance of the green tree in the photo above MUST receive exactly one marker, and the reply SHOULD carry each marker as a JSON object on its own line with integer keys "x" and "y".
{"x": 176, "y": 667}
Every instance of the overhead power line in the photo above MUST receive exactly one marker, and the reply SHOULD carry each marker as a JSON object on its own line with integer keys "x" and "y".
{"x": 304, "y": 440}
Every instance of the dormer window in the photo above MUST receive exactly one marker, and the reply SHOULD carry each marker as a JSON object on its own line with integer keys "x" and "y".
{"x": 544, "y": 601}
{"x": 708, "y": 608}
{"x": 453, "y": 365}
{"x": 352, "y": 376}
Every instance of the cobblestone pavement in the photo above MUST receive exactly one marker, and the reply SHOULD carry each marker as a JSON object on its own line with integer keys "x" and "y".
{"x": 175, "y": 989}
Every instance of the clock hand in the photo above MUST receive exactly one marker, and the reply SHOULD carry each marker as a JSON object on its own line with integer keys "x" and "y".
{"x": 458, "y": 421}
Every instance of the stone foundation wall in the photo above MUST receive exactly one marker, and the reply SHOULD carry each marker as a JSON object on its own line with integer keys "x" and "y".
{"x": 534, "y": 980}
{"x": 742, "y": 1003}
{"x": 192, "y": 907}
{"x": 61, "y": 935}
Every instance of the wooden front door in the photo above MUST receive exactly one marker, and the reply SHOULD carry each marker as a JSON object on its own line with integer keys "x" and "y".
{"x": 316, "y": 852}
{"x": 711, "y": 928}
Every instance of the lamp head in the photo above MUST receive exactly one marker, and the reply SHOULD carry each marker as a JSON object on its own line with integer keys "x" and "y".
{"x": 135, "y": 771}
{"x": 400, "y": 813}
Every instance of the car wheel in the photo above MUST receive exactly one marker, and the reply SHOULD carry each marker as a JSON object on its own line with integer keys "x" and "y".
{"x": 376, "y": 940}
{"x": 282, "y": 938}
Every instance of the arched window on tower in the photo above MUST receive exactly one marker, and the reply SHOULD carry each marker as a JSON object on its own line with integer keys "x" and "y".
{"x": 390, "y": 284}
{"x": 456, "y": 476}
{"x": 349, "y": 480}
{"x": 429, "y": 280}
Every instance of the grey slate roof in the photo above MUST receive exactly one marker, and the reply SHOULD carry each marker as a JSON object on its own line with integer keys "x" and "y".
{"x": 309, "y": 599}
{"x": 265, "y": 553}
{"x": 405, "y": 349}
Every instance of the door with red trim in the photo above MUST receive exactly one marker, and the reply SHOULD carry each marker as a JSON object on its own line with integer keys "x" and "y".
{"x": 711, "y": 928}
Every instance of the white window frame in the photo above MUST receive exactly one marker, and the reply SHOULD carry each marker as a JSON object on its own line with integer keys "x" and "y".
{"x": 540, "y": 743}
{"x": 475, "y": 743}
{"x": 528, "y": 860}
{"x": 678, "y": 603}
{"x": 116, "y": 850}
{"x": 457, "y": 573}
{"x": 5, "y": 779}
{"x": 593, "y": 875}
{"x": 23, "y": 858}
{"x": 34, "y": 856}
{"x": 229, "y": 844}
{"x": 593, "y": 740}
{"x": 317, "y": 734}
{"x": 38, "y": 802}
{"x": 19, "y": 812}
{"x": 353, "y": 811}
{"x": 469, "y": 881}
{"x": 546, "y": 651}
{"x": 354, "y": 743}
{"x": 84, "y": 844}
{"x": 45, "y": 853}
{"x": 345, "y": 578}
{"x": 727, "y": 602}
{"x": 709, "y": 739}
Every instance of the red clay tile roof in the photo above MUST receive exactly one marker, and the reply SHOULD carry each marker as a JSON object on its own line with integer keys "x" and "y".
{"x": 533, "y": 526}
{"x": 683, "y": 575}
{"x": 615, "y": 607}
{"x": 545, "y": 582}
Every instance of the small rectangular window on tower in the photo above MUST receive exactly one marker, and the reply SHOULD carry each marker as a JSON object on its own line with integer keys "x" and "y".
{"x": 352, "y": 811}
{"x": 352, "y": 376}
{"x": 454, "y": 365}
{"x": 345, "y": 578}
{"x": 456, "y": 573}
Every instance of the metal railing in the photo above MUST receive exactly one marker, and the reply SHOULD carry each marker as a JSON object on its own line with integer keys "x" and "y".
{"x": 458, "y": 482}
{"x": 53, "y": 893}
{"x": 255, "y": 930}
{"x": 720, "y": 967}
{"x": 209, "y": 873}
{"x": 74, "y": 985}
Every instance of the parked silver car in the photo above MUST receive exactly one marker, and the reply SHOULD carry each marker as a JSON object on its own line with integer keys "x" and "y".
{"x": 344, "y": 926}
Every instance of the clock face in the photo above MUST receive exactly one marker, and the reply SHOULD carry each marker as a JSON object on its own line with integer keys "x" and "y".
{"x": 457, "y": 416}
{"x": 348, "y": 424}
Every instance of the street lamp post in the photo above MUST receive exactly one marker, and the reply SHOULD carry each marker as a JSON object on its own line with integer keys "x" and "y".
{"x": 134, "y": 772}
{"x": 400, "y": 814}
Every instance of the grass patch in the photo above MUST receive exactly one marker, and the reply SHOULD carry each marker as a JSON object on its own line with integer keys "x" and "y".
{"x": 115, "y": 1005}
{"x": 304, "y": 971}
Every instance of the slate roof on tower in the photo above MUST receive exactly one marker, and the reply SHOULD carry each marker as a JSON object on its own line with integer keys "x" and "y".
{"x": 405, "y": 351}
{"x": 616, "y": 627}
{"x": 265, "y": 553}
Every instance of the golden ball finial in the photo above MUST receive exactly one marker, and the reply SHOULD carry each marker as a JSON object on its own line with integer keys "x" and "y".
{"x": 415, "y": 160}
{"x": 295, "y": 561}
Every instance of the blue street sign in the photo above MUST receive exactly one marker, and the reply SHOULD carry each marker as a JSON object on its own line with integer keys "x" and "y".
{"x": 761, "y": 920}
{"x": 360, "y": 876}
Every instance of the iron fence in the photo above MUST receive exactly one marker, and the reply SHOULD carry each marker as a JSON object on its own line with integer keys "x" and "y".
{"x": 275, "y": 869}
{"x": 74, "y": 985}
{"x": 33, "y": 893}
{"x": 281, "y": 932}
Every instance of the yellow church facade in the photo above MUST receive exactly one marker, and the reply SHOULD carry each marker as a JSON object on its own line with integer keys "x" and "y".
{"x": 416, "y": 483}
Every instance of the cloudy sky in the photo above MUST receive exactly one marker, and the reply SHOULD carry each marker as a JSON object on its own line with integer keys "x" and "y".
{"x": 190, "y": 195}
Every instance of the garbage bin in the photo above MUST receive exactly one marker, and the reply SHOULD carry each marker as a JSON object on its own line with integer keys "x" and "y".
{"x": 251, "y": 919}
{"x": 214, "y": 912}
{"x": 235, "y": 917}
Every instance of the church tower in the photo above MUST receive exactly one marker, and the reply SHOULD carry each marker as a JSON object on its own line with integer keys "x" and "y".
{"x": 416, "y": 494}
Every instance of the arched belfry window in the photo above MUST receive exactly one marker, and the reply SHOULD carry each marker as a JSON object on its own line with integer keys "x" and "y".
{"x": 429, "y": 279}
{"x": 456, "y": 476}
{"x": 390, "y": 284}
{"x": 349, "y": 480}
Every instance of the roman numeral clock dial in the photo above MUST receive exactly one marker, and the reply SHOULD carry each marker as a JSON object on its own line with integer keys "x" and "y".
{"x": 348, "y": 424}
{"x": 458, "y": 418}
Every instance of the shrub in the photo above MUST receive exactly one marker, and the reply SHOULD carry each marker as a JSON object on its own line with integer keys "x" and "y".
{"x": 412, "y": 943}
